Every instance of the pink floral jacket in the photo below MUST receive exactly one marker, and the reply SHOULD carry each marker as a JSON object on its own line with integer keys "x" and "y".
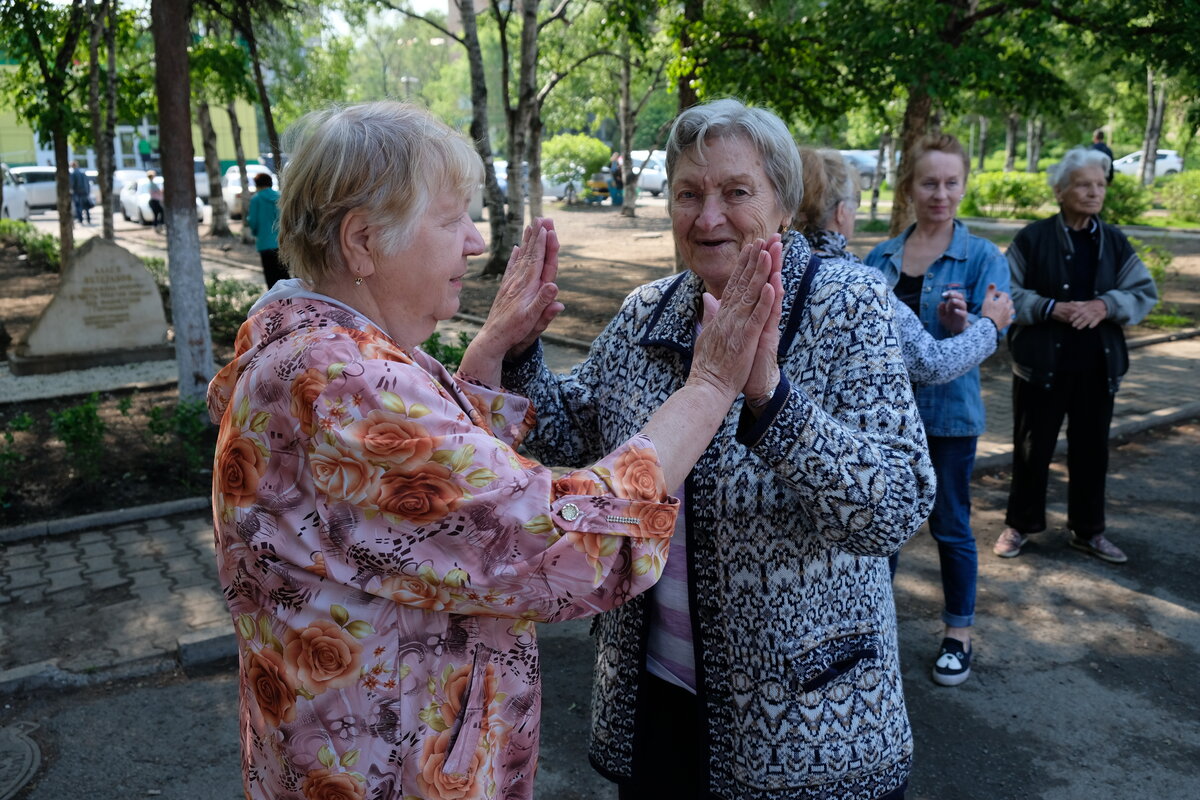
{"x": 385, "y": 552}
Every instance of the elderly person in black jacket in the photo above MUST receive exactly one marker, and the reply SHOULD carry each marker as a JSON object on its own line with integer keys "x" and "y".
{"x": 1075, "y": 281}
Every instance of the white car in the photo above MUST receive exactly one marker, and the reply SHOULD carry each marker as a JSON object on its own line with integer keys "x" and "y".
{"x": 231, "y": 188}
{"x": 121, "y": 178}
{"x": 135, "y": 201}
{"x": 653, "y": 178}
{"x": 15, "y": 205}
{"x": 41, "y": 187}
{"x": 1168, "y": 163}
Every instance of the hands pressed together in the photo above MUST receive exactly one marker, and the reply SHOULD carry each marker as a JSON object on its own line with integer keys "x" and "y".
{"x": 1080, "y": 314}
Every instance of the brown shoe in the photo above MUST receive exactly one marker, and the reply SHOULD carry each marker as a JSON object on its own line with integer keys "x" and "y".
{"x": 1100, "y": 547}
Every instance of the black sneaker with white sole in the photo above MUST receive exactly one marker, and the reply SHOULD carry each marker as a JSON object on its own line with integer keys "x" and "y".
{"x": 953, "y": 663}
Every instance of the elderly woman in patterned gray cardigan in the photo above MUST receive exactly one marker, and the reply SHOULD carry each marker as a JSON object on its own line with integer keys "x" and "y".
{"x": 764, "y": 664}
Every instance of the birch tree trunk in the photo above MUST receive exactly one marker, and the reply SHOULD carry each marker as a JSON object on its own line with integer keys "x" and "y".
{"x": 1033, "y": 143}
{"x": 983, "y": 132}
{"x": 239, "y": 153}
{"x": 626, "y": 117}
{"x": 193, "y": 346}
{"x": 1010, "y": 142}
{"x": 535, "y": 163}
{"x": 101, "y": 133}
{"x": 1156, "y": 104}
{"x": 212, "y": 166}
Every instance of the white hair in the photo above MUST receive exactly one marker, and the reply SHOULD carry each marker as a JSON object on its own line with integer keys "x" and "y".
{"x": 1077, "y": 158}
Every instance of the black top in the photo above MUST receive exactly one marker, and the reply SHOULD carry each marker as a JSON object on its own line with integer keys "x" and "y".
{"x": 908, "y": 289}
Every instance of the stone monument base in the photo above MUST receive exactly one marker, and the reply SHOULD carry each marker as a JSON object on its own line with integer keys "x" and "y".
{"x": 20, "y": 364}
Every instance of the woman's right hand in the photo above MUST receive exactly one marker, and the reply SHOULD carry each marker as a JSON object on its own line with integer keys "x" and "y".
{"x": 998, "y": 307}
{"x": 727, "y": 345}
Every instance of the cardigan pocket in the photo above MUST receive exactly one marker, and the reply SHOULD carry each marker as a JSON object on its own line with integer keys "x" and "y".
{"x": 467, "y": 732}
{"x": 830, "y": 658}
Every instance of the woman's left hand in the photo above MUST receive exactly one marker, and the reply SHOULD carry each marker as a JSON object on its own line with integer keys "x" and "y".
{"x": 952, "y": 311}
{"x": 764, "y": 374}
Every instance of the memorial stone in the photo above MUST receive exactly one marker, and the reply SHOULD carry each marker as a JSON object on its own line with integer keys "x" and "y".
{"x": 107, "y": 311}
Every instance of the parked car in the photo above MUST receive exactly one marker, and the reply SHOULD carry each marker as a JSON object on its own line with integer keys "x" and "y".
{"x": 135, "y": 201}
{"x": 231, "y": 188}
{"x": 15, "y": 205}
{"x": 41, "y": 186}
{"x": 121, "y": 177}
{"x": 653, "y": 177}
{"x": 203, "y": 189}
{"x": 1168, "y": 163}
{"x": 864, "y": 161}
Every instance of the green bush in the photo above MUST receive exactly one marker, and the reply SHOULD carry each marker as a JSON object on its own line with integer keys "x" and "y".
{"x": 1158, "y": 260}
{"x": 1181, "y": 195}
{"x": 41, "y": 249}
{"x": 449, "y": 354}
{"x": 183, "y": 438}
{"x": 1011, "y": 194}
{"x": 573, "y": 157}
{"x": 229, "y": 301}
{"x": 1126, "y": 200}
{"x": 10, "y": 457}
{"x": 82, "y": 430}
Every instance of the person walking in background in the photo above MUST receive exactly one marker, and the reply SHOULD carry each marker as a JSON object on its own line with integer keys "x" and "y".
{"x": 145, "y": 151}
{"x": 81, "y": 194}
{"x": 156, "y": 198}
{"x": 1076, "y": 280}
{"x": 935, "y": 257}
{"x": 263, "y": 221}
{"x": 1098, "y": 144}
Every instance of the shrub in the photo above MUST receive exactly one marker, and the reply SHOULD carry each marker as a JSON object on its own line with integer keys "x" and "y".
{"x": 573, "y": 157}
{"x": 10, "y": 457}
{"x": 1126, "y": 200}
{"x": 183, "y": 437}
{"x": 1181, "y": 195}
{"x": 41, "y": 249}
{"x": 1158, "y": 260}
{"x": 450, "y": 355}
{"x": 82, "y": 430}
{"x": 1015, "y": 194}
{"x": 229, "y": 301}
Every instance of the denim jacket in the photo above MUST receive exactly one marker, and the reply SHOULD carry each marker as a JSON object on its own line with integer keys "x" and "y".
{"x": 969, "y": 264}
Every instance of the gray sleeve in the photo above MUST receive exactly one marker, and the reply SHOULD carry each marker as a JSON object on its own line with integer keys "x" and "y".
{"x": 1135, "y": 294}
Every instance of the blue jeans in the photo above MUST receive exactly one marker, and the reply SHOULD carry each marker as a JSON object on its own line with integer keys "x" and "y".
{"x": 950, "y": 524}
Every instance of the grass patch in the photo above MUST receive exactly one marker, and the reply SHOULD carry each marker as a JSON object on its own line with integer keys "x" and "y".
{"x": 1168, "y": 321}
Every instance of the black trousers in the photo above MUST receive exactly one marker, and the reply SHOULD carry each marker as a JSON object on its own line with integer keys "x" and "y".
{"x": 1084, "y": 399}
{"x": 273, "y": 269}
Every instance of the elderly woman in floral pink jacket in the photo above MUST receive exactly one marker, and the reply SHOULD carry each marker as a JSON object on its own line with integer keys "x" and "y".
{"x": 385, "y": 550}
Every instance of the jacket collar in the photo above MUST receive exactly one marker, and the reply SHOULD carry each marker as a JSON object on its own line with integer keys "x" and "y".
{"x": 894, "y": 248}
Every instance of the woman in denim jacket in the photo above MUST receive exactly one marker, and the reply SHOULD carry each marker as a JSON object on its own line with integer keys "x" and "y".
{"x": 936, "y": 256}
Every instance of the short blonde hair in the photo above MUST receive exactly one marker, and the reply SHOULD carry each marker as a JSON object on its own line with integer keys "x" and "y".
{"x": 828, "y": 180}
{"x": 385, "y": 158}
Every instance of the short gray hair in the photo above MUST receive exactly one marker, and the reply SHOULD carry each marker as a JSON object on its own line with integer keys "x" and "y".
{"x": 385, "y": 158}
{"x": 1077, "y": 158}
{"x": 764, "y": 130}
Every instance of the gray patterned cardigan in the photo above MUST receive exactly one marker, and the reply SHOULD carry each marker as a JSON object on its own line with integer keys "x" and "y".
{"x": 789, "y": 519}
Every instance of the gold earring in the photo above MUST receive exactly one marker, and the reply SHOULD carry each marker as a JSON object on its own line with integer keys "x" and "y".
{"x": 358, "y": 281}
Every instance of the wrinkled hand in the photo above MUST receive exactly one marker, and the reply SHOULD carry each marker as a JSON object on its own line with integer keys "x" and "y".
{"x": 764, "y": 373}
{"x": 734, "y": 331}
{"x": 952, "y": 311}
{"x": 523, "y": 307}
{"x": 1088, "y": 314}
{"x": 998, "y": 307}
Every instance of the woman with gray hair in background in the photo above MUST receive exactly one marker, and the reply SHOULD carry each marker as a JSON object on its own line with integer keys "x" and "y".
{"x": 384, "y": 550}
{"x": 1076, "y": 281}
{"x": 764, "y": 664}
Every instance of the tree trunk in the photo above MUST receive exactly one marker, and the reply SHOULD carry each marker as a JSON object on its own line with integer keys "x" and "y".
{"x": 501, "y": 245}
{"x": 239, "y": 153}
{"x": 101, "y": 134}
{"x": 110, "y": 106}
{"x": 1033, "y": 143}
{"x": 193, "y": 346}
{"x": 535, "y": 164}
{"x": 983, "y": 131}
{"x": 693, "y": 12}
{"x": 212, "y": 165}
{"x": 626, "y": 118}
{"x": 66, "y": 214}
{"x": 1156, "y": 102}
{"x": 881, "y": 163}
{"x": 916, "y": 124}
{"x": 246, "y": 25}
{"x": 1010, "y": 142}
